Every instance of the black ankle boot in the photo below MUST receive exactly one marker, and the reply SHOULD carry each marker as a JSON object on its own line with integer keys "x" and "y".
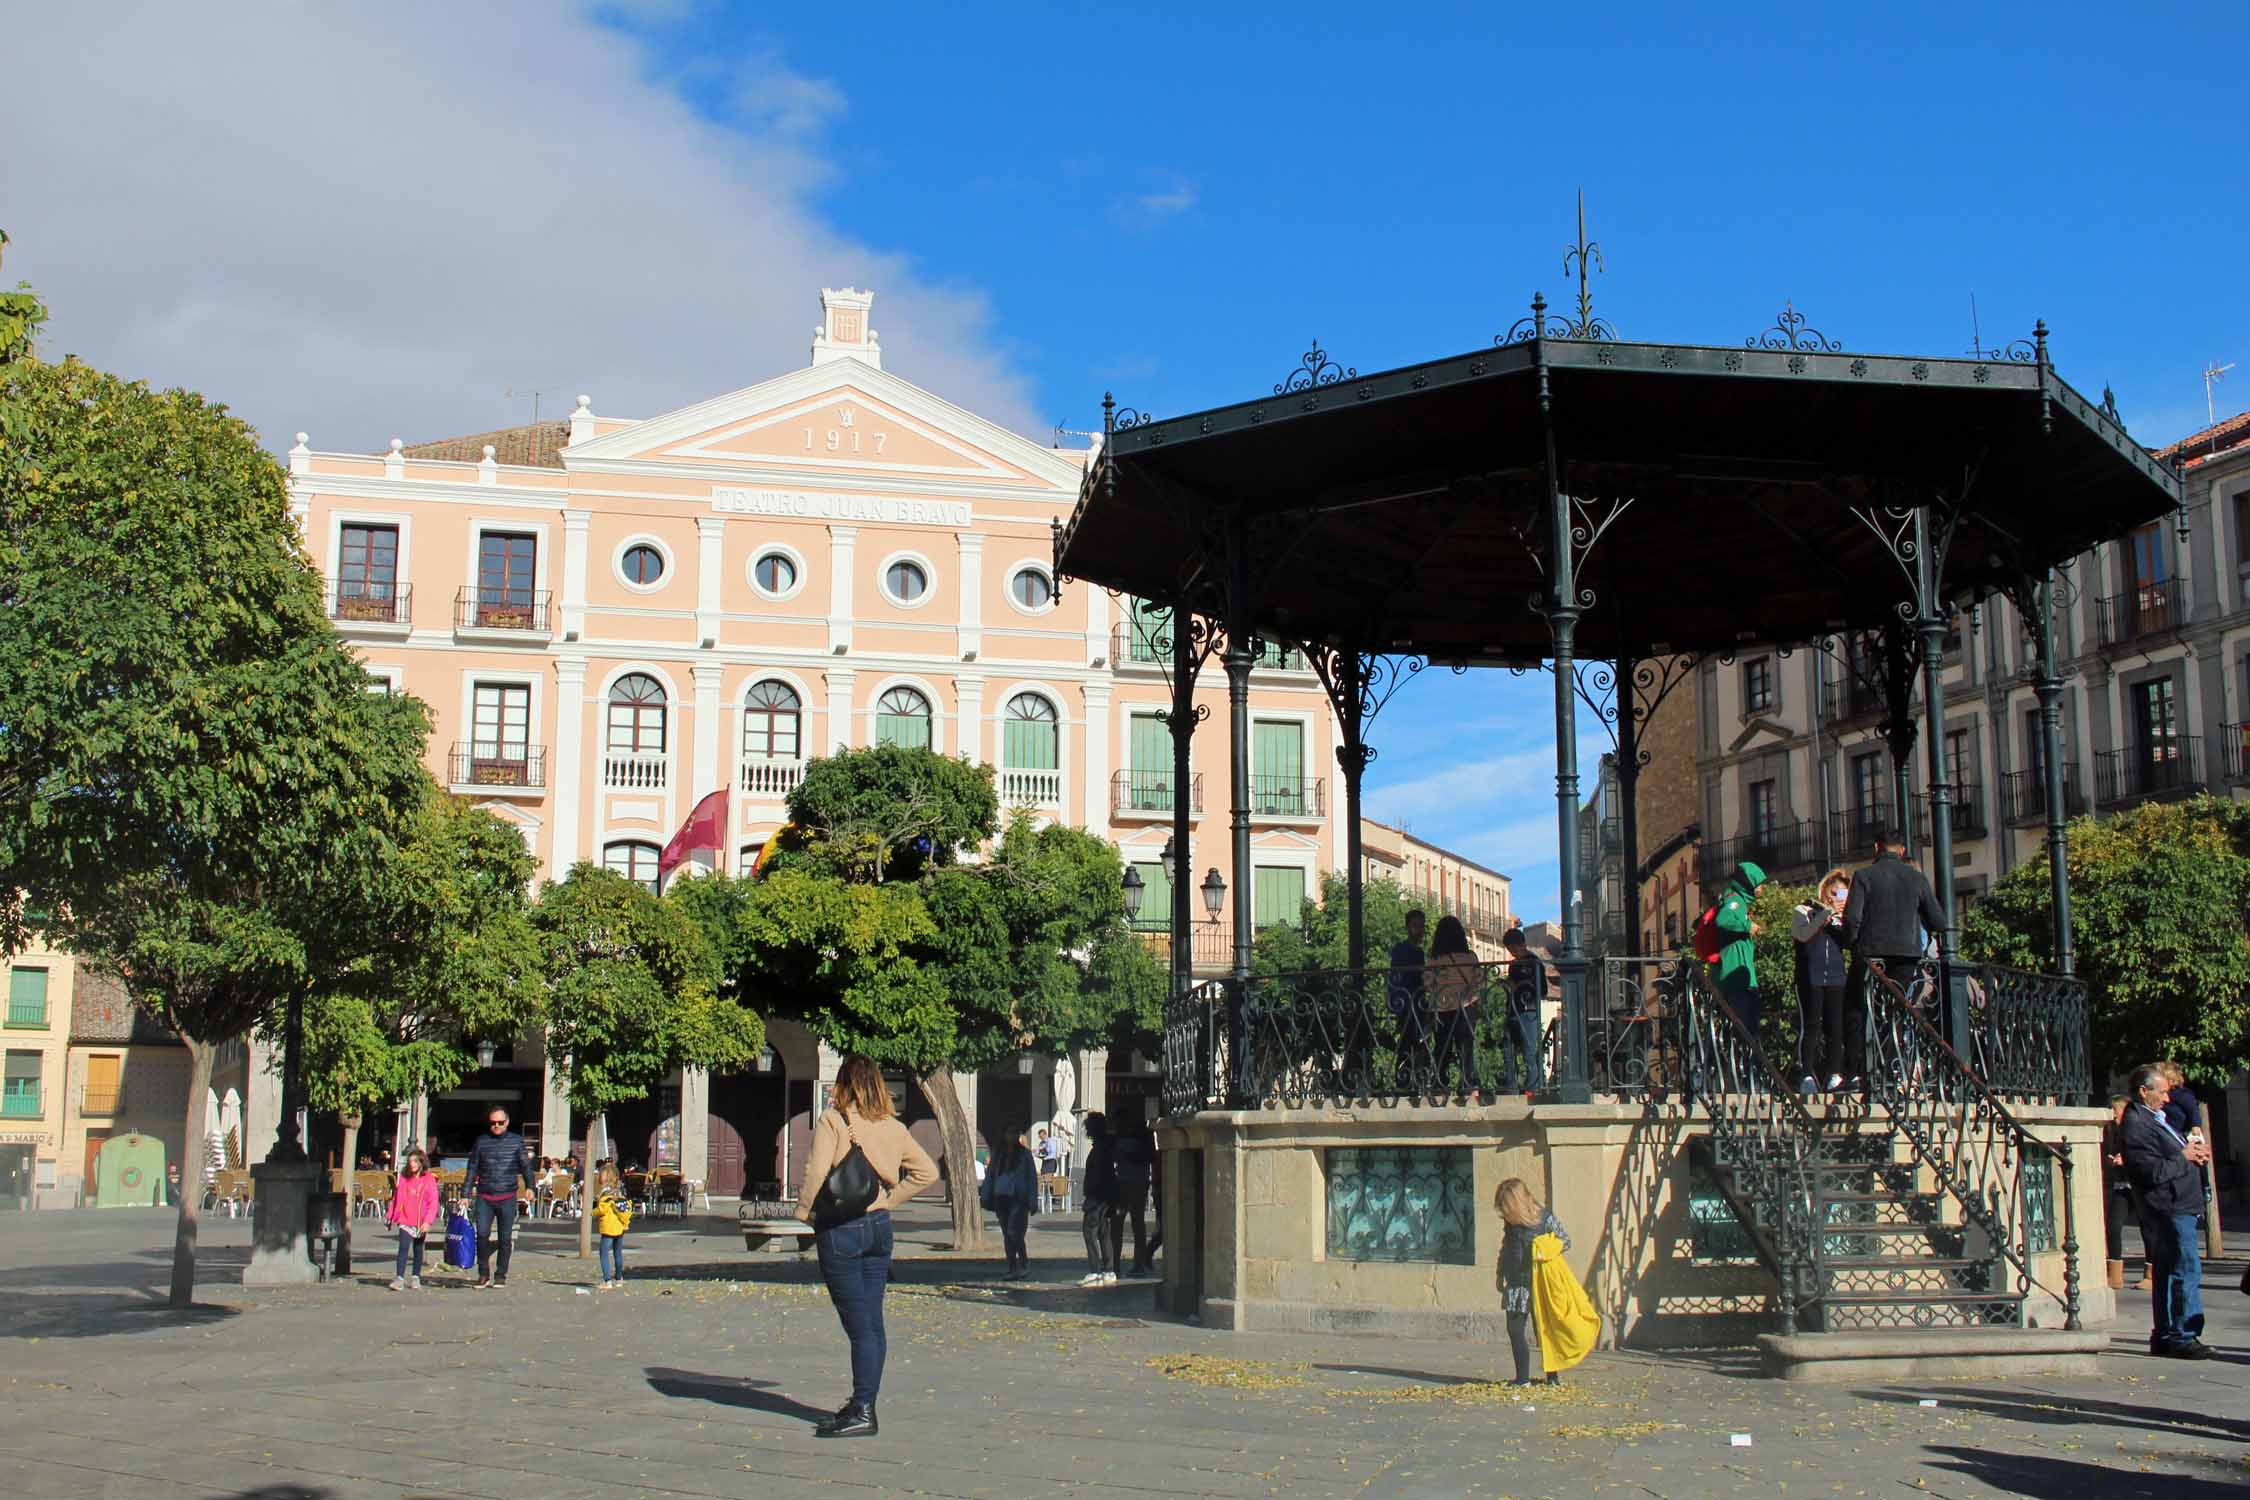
{"x": 825, "y": 1424}
{"x": 852, "y": 1421}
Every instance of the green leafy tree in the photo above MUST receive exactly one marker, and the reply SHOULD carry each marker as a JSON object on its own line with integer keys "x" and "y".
{"x": 1321, "y": 938}
{"x": 2157, "y": 902}
{"x": 190, "y": 763}
{"x": 632, "y": 993}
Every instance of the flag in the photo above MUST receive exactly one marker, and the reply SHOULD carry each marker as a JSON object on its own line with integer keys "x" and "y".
{"x": 705, "y": 828}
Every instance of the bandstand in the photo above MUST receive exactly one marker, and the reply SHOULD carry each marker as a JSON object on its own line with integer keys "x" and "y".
{"x": 1558, "y": 496}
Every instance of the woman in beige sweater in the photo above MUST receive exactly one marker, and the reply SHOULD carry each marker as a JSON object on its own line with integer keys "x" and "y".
{"x": 855, "y": 1254}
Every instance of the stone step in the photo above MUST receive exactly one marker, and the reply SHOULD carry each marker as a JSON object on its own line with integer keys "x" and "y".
{"x": 1909, "y": 1353}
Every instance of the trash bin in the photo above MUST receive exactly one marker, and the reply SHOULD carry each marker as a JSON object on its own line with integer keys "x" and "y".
{"x": 325, "y": 1226}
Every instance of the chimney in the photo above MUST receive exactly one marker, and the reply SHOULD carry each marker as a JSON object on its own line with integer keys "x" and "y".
{"x": 843, "y": 332}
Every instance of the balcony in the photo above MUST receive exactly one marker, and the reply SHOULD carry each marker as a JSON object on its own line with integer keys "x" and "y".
{"x": 1139, "y": 793}
{"x": 1274, "y": 656}
{"x": 497, "y": 767}
{"x": 1855, "y": 830}
{"x": 1141, "y": 643}
{"x": 1785, "y": 846}
{"x": 1288, "y": 797}
{"x": 22, "y": 1103}
{"x": 627, "y": 772}
{"x": 110, "y": 1100}
{"x": 2025, "y": 796}
{"x": 763, "y": 776}
{"x": 381, "y": 608}
{"x": 1968, "y": 814}
{"x": 2236, "y": 744}
{"x": 1613, "y": 835}
{"x": 2147, "y": 773}
{"x": 1021, "y": 788}
{"x": 2136, "y": 615}
{"x": 1210, "y": 945}
{"x": 510, "y": 613}
{"x": 1852, "y": 702}
{"x": 27, "y": 1012}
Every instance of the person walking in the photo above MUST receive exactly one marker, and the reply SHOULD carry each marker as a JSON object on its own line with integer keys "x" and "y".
{"x": 413, "y": 1214}
{"x": 1011, "y": 1191}
{"x": 1136, "y": 1161}
{"x": 613, "y": 1215}
{"x": 1523, "y": 1220}
{"x": 2117, "y": 1192}
{"x": 2167, "y": 1176}
{"x": 1456, "y": 986}
{"x": 1891, "y": 911}
{"x": 855, "y": 1241}
{"x": 1100, "y": 1192}
{"x": 1409, "y": 1004}
{"x": 1824, "y": 1052}
{"x": 499, "y": 1169}
{"x": 1527, "y": 988}
{"x": 1738, "y": 953}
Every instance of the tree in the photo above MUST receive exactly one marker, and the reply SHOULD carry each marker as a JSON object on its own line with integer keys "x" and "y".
{"x": 190, "y": 763}
{"x": 1321, "y": 938}
{"x": 632, "y": 993}
{"x": 2157, "y": 902}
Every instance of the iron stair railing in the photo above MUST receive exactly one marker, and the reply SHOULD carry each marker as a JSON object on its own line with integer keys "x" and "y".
{"x": 1976, "y": 1152}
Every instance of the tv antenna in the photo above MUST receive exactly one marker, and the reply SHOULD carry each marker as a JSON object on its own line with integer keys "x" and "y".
{"x": 2212, "y": 375}
{"x": 1976, "y": 330}
{"x": 513, "y": 394}
{"x": 1062, "y": 432}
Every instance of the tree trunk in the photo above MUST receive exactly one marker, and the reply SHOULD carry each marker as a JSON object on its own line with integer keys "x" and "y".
{"x": 960, "y": 1159}
{"x": 350, "y": 1124}
{"x": 586, "y": 1193}
{"x": 191, "y": 1175}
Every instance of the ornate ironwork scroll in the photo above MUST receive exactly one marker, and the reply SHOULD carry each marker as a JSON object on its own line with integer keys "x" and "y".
{"x": 1315, "y": 368}
{"x": 1789, "y": 331}
{"x": 2027, "y": 1035}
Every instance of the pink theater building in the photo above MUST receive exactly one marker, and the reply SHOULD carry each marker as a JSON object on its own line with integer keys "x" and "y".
{"x": 611, "y": 617}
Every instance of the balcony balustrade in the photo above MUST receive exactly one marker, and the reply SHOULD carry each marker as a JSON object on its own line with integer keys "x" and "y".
{"x": 1032, "y": 788}
{"x": 27, "y": 1012}
{"x": 1785, "y": 846}
{"x": 1132, "y": 792}
{"x": 22, "y": 1103}
{"x": 628, "y": 772}
{"x": 2137, "y": 614}
{"x": 764, "y": 776}
{"x": 2144, "y": 773}
{"x": 490, "y": 764}
{"x": 2236, "y": 743}
{"x": 1288, "y": 797}
{"x": 2025, "y": 797}
{"x": 371, "y": 603}
{"x": 102, "y": 1101}
{"x": 524, "y": 610}
{"x": 1210, "y": 944}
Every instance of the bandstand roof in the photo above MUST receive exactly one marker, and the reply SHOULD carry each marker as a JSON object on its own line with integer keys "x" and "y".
{"x": 1392, "y": 511}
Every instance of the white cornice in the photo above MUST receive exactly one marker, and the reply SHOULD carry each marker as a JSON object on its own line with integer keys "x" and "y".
{"x": 775, "y": 476}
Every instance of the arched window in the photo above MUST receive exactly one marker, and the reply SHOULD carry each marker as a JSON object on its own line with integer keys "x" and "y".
{"x": 772, "y": 720}
{"x": 636, "y": 715}
{"x": 902, "y": 717}
{"x": 633, "y": 860}
{"x": 1030, "y": 739}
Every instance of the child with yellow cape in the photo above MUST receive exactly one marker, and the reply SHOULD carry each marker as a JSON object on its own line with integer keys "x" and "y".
{"x": 1537, "y": 1287}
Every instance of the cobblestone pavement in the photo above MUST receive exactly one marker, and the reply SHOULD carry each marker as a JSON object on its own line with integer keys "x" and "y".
{"x": 703, "y": 1376}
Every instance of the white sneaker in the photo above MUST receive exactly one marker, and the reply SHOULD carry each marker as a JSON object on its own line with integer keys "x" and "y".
{"x": 1807, "y": 1084}
{"x": 1091, "y": 1278}
{"x": 397, "y": 1285}
{"x": 1109, "y": 1278}
{"x": 1835, "y": 1082}
{"x": 414, "y": 1283}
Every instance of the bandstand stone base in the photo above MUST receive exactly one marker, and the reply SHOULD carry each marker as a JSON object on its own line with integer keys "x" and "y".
{"x": 1247, "y": 1246}
{"x": 280, "y": 1247}
{"x": 1924, "y": 1353}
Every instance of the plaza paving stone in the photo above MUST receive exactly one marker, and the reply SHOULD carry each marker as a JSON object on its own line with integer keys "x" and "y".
{"x": 703, "y": 1376}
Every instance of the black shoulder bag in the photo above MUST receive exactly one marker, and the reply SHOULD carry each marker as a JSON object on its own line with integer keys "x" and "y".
{"x": 851, "y": 1188}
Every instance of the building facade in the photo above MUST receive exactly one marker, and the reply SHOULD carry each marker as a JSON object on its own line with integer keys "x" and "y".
{"x": 36, "y": 1041}
{"x": 612, "y": 617}
{"x": 1441, "y": 883}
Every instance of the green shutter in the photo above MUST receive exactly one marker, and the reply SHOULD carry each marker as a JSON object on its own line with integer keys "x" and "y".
{"x": 1156, "y": 898}
{"x": 1277, "y": 895}
{"x": 1150, "y": 638}
{"x": 1277, "y": 768}
{"x": 1148, "y": 776}
{"x": 1030, "y": 745}
{"x": 27, "y": 997}
{"x": 910, "y": 730}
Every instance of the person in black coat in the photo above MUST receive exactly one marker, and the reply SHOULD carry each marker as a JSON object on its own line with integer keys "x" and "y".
{"x": 1409, "y": 1005}
{"x": 1828, "y": 1051}
{"x": 1891, "y": 909}
{"x": 499, "y": 1169}
{"x": 2167, "y": 1177}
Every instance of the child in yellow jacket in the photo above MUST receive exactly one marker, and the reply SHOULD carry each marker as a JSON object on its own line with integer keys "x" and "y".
{"x": 1525, "y": 1222}
{"x": 613, "y": 1215}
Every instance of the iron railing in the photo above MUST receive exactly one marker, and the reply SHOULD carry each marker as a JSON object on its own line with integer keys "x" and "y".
{"x": 1855, "y": 830}
{"x": 1140, "y": 791}
{"x": 1210, "y": 944}
{"x": 2027, "y": 1035}
{"x": 1147, "y": 642}
{"x": 98, "y": 1100}
{"x": 1963, "y": 1135}
{"x": 371, "y": 603}
{"x": 1967, "y": 807}
{"x": 1633, "y": 1018}
{"x": 2026, "y": 795}
{"x": 502, "y": 609}
{"x": 1288, "y": 797}
{"x": 2236, "y": 744}
{"x": 2135, "y": 615}
{"x": 1785, "y": 846}
{"x": 2170, "y": 768}
{"x": 1849, "y": 701}
{"x": 493, "y": 764}
{"x": 27, "y": 1011}
{"x": 22, "y": 1103}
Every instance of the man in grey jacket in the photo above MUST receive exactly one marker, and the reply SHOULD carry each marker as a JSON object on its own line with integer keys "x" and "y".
{"x": 2167, "y": 1177}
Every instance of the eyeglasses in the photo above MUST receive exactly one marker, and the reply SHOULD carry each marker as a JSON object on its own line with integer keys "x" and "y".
{"x": 498, "y": 1122}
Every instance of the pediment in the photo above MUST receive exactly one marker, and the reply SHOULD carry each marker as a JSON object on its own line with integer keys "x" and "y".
{"x": 1756, "y": 729}
{"x": 835, "y": 420}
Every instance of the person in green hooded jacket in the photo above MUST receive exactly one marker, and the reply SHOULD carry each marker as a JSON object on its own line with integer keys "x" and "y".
{"x": 1738, "y": 959}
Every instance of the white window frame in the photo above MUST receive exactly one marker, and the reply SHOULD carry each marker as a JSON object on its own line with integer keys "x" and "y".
{"x": 1054, "y": 594}
{"x": 929, "y": 580}
{"x": 791, "y": 555}
{"x": 664, "y": 580}
{"x": 938, "y": 715}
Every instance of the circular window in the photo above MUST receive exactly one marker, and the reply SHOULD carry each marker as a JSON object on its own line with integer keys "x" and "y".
{"x": 906, "y": 582}
{"x": 1032, "y": 588}
{"x": 774, "y": 573}
{"x": 642, "y": 564}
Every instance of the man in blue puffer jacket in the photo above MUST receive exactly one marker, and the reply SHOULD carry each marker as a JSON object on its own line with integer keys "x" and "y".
{"x": 498, "y": 1167}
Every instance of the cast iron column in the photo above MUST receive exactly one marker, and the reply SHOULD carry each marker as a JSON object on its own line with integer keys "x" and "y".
{"x": 1351, "y": 759}
{"x": 1929, "y": 609}
{"x": 2050, "y": 690}
{"x": 1898, "y": 729}
{"x": 288, "y": 1144}
{"x": 1574, "y": 1086}
{"x": 1238, "y": 658}
{"x": 1628, "y": 796}
{"x": 1182, "y": 872}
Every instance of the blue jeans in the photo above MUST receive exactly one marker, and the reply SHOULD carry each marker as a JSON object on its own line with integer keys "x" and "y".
{"x": 1519, "y": 1051}
{"x": 504, "y": 1212}
{"x": 609, "y": 1255}
{"x": 2175, "y": 1264}
{"x": 409, "y": 1249}
{"x": 855, "y": 1261}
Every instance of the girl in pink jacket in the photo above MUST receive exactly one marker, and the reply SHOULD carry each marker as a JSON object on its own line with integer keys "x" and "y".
{"x": 414, "y": 1213}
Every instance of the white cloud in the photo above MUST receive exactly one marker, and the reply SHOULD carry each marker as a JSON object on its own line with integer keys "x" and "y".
{"x": 1452, "y": 791}
{"x": 1169, "y": 196}
{"x": 371, "y": 221}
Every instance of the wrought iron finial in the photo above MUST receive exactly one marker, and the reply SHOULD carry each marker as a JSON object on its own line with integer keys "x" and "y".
{"x": 1533, "y": 327}
{"x": 2109, "y": 406}
{"x": 1585, "y": 257}
{"x": 1789, "y": 332}
{"x": 1109, "y": 414}
{"x": 1316, "y": 368}
{"x": 2039, "y": 338}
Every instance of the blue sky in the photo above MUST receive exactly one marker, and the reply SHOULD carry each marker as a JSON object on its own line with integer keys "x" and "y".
{"x": 370, "y": 222}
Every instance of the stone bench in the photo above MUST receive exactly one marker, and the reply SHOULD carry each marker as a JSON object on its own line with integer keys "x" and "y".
{"x": 773, "y": 1228}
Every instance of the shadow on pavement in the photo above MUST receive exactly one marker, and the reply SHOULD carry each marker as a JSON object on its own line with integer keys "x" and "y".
{"x": 276, "y": 1492}
{"x": 2072, "y": 1411}
{"x": 85, "y": 1315}
{"x": 135, "y": 1270}
{"x": 1415, "y": 1377}
{"x": 731, "y": 1390}
{"x": 2072, "y": 1479}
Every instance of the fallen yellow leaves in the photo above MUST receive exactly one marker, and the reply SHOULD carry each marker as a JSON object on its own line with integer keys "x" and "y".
{"x": 1610, "y": 1429}
{"x": 1229, "y": 1374}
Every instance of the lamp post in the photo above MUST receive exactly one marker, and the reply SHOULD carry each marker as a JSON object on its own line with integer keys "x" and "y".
{"x": 485, "y": 1053}
{"x": 1214, "y": 892}
{"x": 1133, "y": 886}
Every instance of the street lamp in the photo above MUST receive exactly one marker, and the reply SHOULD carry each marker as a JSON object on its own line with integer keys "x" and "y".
{"x": 485, "y": 1054}
{"x": 1214, "y": 892}
{"x": 1133, "y": 888}
{"x": 1170, "y": 859}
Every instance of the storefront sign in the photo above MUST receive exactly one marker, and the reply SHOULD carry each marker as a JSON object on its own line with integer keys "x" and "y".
{"x": 818, "y": 507}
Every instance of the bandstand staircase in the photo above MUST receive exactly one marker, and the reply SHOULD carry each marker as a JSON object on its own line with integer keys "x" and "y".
{"x": 1913, "y": 1211}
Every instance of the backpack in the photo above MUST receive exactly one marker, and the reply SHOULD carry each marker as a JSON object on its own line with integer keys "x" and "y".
{"x": 1707, "y": 940}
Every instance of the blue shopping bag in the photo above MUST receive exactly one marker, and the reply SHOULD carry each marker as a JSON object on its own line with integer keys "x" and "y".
{"x": 460, "y": 1241}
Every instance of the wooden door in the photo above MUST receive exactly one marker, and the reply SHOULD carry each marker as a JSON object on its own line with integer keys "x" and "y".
{"x": 95, "y": 1140}
{"x": 723, "y": 1173}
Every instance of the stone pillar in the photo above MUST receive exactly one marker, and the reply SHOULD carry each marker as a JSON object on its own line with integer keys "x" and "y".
{"x": 280, "y": 1249}
{"x": 969, "y": 633}
{"x": 568, "y": 792}
{"x": 841, "y": 734}
{"x": 842, "y": 554}
{"x": 1093, "y": 806}
{"x": 710, "y": 558}
{"x": 261, "y": 1099}
{"x": 555, "y": 1135}
{"x": 706, "y": 777}
{"x": 575, "y": 527}
{"x": 969, "y": 736}
{"x": 695, "y": 1124}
